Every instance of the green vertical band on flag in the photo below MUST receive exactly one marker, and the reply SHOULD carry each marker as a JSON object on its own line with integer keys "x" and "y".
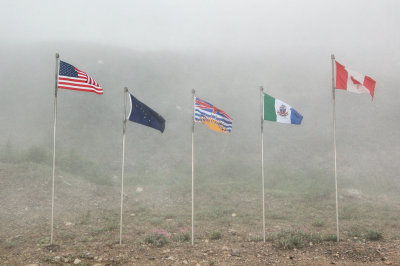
{"x": 269, "y": 108}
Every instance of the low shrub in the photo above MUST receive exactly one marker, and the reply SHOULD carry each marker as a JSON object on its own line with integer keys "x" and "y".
{"x": 182, "y": 237}
{"x": 330, "y": 237}
{"x": 215, "y": 235}
{"x": 296, "y": 239}
{"x": 373, "y": 235}
{"x": 158, "y": 238}
{"x": 37, "y": 154}
{"x": 289, "y": 240}
{"x": 10, "y": 244}
{"x": 354, "y": 231}
{"x": 318, "y": 223}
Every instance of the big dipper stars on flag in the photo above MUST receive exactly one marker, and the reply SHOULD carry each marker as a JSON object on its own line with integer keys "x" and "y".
{"x": 144, "y": 115}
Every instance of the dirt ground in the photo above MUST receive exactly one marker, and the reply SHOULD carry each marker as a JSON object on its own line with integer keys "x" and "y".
{"x": 205, "y": 252}
{"x": 86, "y": 230}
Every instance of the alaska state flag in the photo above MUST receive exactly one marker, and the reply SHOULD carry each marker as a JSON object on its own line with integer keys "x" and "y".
{"x": 278, "y": 111}
{"x": 142, "y": 114}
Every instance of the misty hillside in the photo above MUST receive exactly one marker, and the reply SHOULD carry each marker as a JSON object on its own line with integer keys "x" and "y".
{"x": 91, "y": 125}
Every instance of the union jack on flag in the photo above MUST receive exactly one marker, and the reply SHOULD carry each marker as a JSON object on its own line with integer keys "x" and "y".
{"x": 215, "y": 118}
{"x": 71, "y": 78}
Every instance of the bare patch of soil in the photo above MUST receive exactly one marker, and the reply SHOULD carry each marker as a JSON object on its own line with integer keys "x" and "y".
{"x": 86, "y": 229}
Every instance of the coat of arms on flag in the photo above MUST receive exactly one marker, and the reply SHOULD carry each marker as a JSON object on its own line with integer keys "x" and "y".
{"x": 279, "y": 111}
{"x": 215, "y": 118}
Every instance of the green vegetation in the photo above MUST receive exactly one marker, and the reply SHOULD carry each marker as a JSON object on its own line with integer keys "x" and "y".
{"x": 44, "y": 242}
{"x": 295, "y": 239}
{"x": 350, "y": 213}
{"x": 289, "y": 240}
{"x": 354, "y": 231}
{"x": 170, "y": 216}
{"x": 37, "y": 154}
{"x": 215, "y": 235}
{"x": 158, "y": 238}
{"x": 373, "y": 235}
{"x": 156, "y": 221}
{"x": 110, "y": 224}
{"x": 10, "y": 244}
{"x": 182, "y": 237}
{"x": 217, "y": 212}
{"x": 10, "y": 154}
{"x": 255, "y": 238}
{"x": 271, "y": 237}
{"x": 85, "y": 218}
{"x": 330, "y": 237}
{"x": 222, "y": 188}
{"x": 74, "y": 163}
{"x": 318, "y": 223}
{"x": 71, "y": 161}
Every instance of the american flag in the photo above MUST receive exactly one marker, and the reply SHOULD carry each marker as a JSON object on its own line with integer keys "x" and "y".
{"x": 215, "y": 118}
{"x": 71, "y": 78}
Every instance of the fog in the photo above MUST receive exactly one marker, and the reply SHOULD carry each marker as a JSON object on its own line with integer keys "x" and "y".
{"x": 357, "y": 27}
{"x": 161, "y": 50}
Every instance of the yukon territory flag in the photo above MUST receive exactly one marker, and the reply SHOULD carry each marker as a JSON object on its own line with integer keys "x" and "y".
{"x": 71, "y": 78}
{"x": 352, "y": 81}
{"x": 144, "y": 115}
{"x": 215, "y": 118}
{"x": 278, "y": 111}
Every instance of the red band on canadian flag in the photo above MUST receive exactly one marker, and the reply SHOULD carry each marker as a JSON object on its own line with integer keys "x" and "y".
{"x": 352, "y": 81}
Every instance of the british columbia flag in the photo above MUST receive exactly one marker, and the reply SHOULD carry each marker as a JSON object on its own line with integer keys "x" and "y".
{"x": 71, "y": 78}
{"x": 215, "y": 118}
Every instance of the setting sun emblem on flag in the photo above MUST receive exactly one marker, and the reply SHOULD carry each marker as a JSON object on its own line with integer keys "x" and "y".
{"x": 215, "y": 118}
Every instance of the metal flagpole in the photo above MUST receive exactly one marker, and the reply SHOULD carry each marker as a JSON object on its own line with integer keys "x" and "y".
{"x": 193, "y": 95}
{"x": 334, "y": 143}
{"x": 123, "y": 163}
{"x": 262, "y": 156}
{"x": 54, "y": 146}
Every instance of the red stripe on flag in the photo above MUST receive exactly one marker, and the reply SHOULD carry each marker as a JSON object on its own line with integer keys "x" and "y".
{"x": 341, "y": 77}
{"x": 80, "y": 82}
{"x": 76, "y": 89}
{"x": 78, "y": 85}
{"x": 369, "y": 83}
{"x": 71, "y": 79}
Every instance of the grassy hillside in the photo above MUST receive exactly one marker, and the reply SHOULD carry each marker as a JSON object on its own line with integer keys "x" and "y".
{"x": 89, "y": 127}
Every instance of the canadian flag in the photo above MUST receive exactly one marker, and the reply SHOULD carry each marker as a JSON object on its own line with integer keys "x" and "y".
{"x": 352, "y": 81}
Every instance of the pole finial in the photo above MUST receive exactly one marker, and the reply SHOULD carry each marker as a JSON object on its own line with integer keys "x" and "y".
{"x": 332, "y": 56}
{"x": 261, "y": 88}
{"x": 57, "y": 55}
{"x": 193, "y": 91}
{"x": 125, "y": 89}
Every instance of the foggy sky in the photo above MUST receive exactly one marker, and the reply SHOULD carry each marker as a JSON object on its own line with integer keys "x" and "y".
{"x": 162, "y": 49}
{"x": 208, "y": 25}
{"x": 225, "y": 49}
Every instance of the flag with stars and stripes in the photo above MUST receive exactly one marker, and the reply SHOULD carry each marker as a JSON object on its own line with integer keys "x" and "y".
{"x": 142, "y": 114}
{"x": 215, "y": 118}
{"x": 71, "y": 78}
